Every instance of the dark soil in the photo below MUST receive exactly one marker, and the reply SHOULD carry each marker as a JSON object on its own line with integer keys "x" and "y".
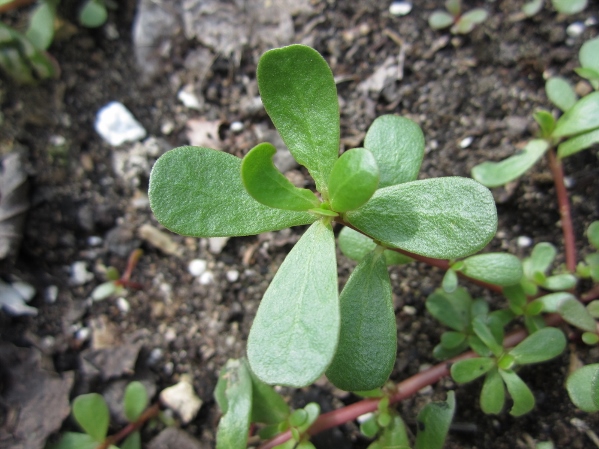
{"x": 485, "y": 85}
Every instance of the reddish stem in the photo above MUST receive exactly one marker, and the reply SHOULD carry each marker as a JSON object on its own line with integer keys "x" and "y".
{"x": 14, "y": 5}
{"x": 557, "y": 170}
{"x": 150, "y": 413}
{"x": 131, "y": 264}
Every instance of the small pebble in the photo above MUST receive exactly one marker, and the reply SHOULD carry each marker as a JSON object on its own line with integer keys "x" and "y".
{"x": 216, "y": 244}
{"x": 591, "y": 21}
{"x": 569, "y": 182}
{"x": 116, "y": 125}
{"x": 170, "y": 335}
{"x": 409, "y": 310}
{"x": 197, "y": 267}
{"x": 123, "y": 305}
{"x": 83, "y": 334}
{"x": 26, "y": 291}
{"x": 94, "y": 240}
{"x": 189, "y": 100}
{"x": 182, "y": 399}
{"x": 206, "y": 278}
{"x": 167, "y": 127}
{"x": 524, "y": 241}
{"x": 155, "y": 356}
{"x": 236, "y": 127}
{"x": 466, "y": 142}
{"x": 575, "y": 29}
{"x": 51, "y": 294}
{"x": 400, "y": 8}
{"x": 57, "y": 140}
{"x": 232, "y": 275}
{"x": 79, "y": 273}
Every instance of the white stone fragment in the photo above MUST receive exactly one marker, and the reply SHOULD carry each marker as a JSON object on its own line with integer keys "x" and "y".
{"x": 575, "y": 29}
{"x": 466, "y": 142}
{"x": 216, "y": 244}
{"x": 181, "y": 398}
{"x": 236, "y": 127}
{"x": 524, "y": 241}
{"x": 26, "y": 291}
{"x": 79, "y": 273}
{"x": 206, "y": 278}
{"x": 189, "y": 99}
{"x": 13, "y": 302}
{"x": 400, "y": 8}
{"x": 591, "y": 21}
{"x": 51, "y": 294}
{"x": 123, "y": 305}
{"x": 365, "y": 417}
{"x": 197, "y": 267}
{"x": 94, "y": 240}
{"x": 116, "y": 125}
{"x": 232, "y": 275}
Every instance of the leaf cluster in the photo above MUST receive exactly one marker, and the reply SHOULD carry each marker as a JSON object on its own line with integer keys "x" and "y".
{"x": 92, "y": 415}
{"x": 562, "y": 6}
{"x": 460, "y": 22}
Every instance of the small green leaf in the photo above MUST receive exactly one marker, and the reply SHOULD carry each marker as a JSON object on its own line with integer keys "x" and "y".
{"x": 91, "y": 413}
{"x": 93, "y": 14}
{"x": 534, "y": 323}
{"x": 495, "y": 268}
{"x": 368, "y": 336}
{"x": 267, "y": 405}
{"x": 353, "y": 180}
{"x": 588, "y": 59}
{"x": 313, "y": 410}
{"x": 295, "y": 332}
{"x": 135, "y": 400}
{"x": 492, "y": 395}
{"x": 561, "y": 93}
{"x": 451, "y": 339}
{"x": 569, "y": 6}
{"x": 450, "y": 281}
{"x": 582, "y": 117}
{"x": 540, "y": 259}
{"x": 300, "y": 96}
{"x": 593, "y": 234}
{"x": 495, "y": 174}
{"x": 370, "y": 427}
{"x": 564, "y": 281}
{"x": 433, "y": 423}
{"x": 516, "y": 297}
{"x": 104, "y": 290}
{"x": 298, "y": 417}
{"x": 199, "y": 192}
{"x": 541, "y": 346}
{"x": 233, "y": 428}
{"x": 469, "y": 20}
{"x": 521, "y": 395}
{"x": 575, "y": 313}
{"x": 546, "y": 122}
{"x": 384, "y": 419}
{"x": 133, "y": 441}
{"x": 356, "y": 246}
{"x": 583, "y": 388}
{"x": 467, "y": 370}
{"x": 397, "y": 144}
{"x": 439, "y": 20}
{"x": 442, "y": 353}
{"x": 552, "y": 301}
{"x": 593, "y": 308}
{"x": 41, "y": 25}
{"x": 75, "y": 440}
{"x": 394, "y": 435}
{"x": 578, "y": 143}
{"x": 592, "y": 75}
{"x": 451, "y": 309}
{"x": 590, "y": 338}
{"x": 532, "y": 7}
{"x": 441, "y": 217}
{"x": 268, "y": 186}
{"x": 454, "y": 7}
{"x": 482, "y": 331}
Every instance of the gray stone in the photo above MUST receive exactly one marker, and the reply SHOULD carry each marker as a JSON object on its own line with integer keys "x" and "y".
{"x": 171, "y": 437}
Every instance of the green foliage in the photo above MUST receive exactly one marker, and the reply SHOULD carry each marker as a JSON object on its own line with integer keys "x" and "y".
{"x": 589, "y": 63}
{"x": 356, "y": 246}
{"x": 41, "y": 24}
{"x": 532, "y": 7}
{"x": 561, "y": 93}
{"x": 91, "y": 413}
{"x": 583, "y": 388}
{"x": 461, "y": 23}
{"x": 569, "y": 6}
{"x": 93, "y": 13}
{"x": 135, "y": 400}
{"x": 494, "y": 268}
{"x": 433, "y": 423}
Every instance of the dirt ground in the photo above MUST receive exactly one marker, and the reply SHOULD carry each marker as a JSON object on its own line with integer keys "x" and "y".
{"x": 84, "y": 208}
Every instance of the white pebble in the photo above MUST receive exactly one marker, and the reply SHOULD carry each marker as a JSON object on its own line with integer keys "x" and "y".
{"x": 170, "y": 335}
{"x": 400, "y": 8}
{"x": 206, "y": 278}
{"x": 466, "y": 142}
{"x": 232, "y": 275}
{"x": 591, "y": 21}
{"x": 569, "y": 182}
{"x": 51, "y": 294}
{"x": 524, "y": 241}
{"x": 197, "y": 267}
{"x": 123, "y": 305}
{"x": 26, "y": 291}
{"x": 182, "y": 399}
{"x": 83, "y": 334}
{"x": 409, "y": 310}
{"x": 236, "y": 127}
{"x": 189, "y": 100}
{"x": 94, "y": 240}
{"x": 575, "y": 29}
{"x": 116, "y": 125}
{"x": 216, "y": 244}
{"x": 79, "y": 273}
{"x": 155, "y": 356}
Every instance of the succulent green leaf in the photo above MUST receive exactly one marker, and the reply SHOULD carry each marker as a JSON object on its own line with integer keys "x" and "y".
{"x": 199, "y": 192}
{"x": 298, "y": 417}
{"x": 546, "y": 122}
{"x": 439, "y": 20}
{"x": 582, "y": 117}
{"x": 269, "y": 186}
{"x": 569, "y": 6}
{"x": 564, "y": 281}
{"x": 540, "y": 259}
{"x": 370, "y": 427}
{"x": 495, "y": 268}
{"x": 433, "y": 423}
{"x": 41, "y": 24}
{"x": 368, "y": 337}
{"x": 91, "y": 413}
{"x": 588, "y": 60}
{"x": 483, "y": 331}
{"x": 561, "y": 93}
{"x": 517, "y": 298}
{"x": 534, "y": 323}
{"x": 454, "y": 7}
{"x": 356, "y": 246}
{"x": 590, "y": 338}
{"x": 578, "y": 143}
{"x": 267, "y": 405}
{"x": 451, "y": 309}
{"x": 312, "y": 411}
{"x": 583, "y": 388}
{"x": 593, "y": 308}
{"x": 295, "y": 332}
{"x": 495, "y": 174}
{"x": 532, "y": 7}
{"x": 397, "y": 144}
{"x": 521, "y": 395}
{"x": 492, "y": 395}
{"x": 469, "y": 20}
{"x": 232, "y": 432}
{"x": 93, "y": 14}
{"x": 541, "y": 346}
{"x": 451, "y": 339}
{"x": 104, "y": 290}
{"x": 440, "y": 352}
{"x": 450, "y": 281}
{"x": 592, "y": 75}
{"x": 394, "y": 435}
{"x": 441, "y": 217}
{"x": 75, "y": 440}
{"x": 353, "y": 180}
{"x": 133, "y": 441}
{"x": 593, "y": 234}
{"x": 575, "y": 313}
{"x": 467, "y": 370}
{"x": 552, "y": 301}
{"x": 300, "y": 96}
{"x": 135, "y": 400}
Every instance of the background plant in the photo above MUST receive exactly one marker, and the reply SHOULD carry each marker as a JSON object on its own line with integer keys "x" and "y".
{"x": 459, "y": 21}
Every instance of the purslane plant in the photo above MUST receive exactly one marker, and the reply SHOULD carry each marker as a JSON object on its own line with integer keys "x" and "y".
{"x": 303, "y": 327}
{"x": 460, "y": 22}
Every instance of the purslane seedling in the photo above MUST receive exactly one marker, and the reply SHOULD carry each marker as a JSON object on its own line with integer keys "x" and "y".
{"x": 459, "y": 21}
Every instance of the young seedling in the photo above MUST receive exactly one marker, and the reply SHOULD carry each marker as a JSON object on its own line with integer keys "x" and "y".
{"x": 117, "y": 284}
{"x": 562, "y": 6}
{"x": 303, "y": 327}
{"x": 461, "y": 23}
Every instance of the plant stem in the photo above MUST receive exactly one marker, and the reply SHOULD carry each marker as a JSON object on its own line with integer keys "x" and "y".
{"x": 14, "y": 5}
{"x": 150, "y": 413}
{"x": 557, "y": 171}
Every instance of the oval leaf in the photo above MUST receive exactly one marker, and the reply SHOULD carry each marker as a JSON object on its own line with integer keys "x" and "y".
{"x": 492, "y": 395}
{"x": 451, "y": 309}
{"x": 439, "y": 20}
{"x": 521, "y": 395}
{"x": 397, "y": 144}
{"x": 495, "y": 268}
{"x": 368, "y": 337}
{"x": 583, "y": 388}
{"x": 560, "y": 93}
{"x": 575, "y": 313}
{"x": 540, "y": 259}
{"x": 582, "y": 117}
{"x": 133, "y": 441}
{"x": 236, "y": 388}
{"x": 578, "y": 143}
{"x": 198, "y": 192}
{"x": 546, "y": 122}
{"x": 532, "y": 7}
{"x": 442, "y": 217}
{"x": 354, "y": 178}
{"x": 74, "y": 440}
{"x": 41, "y": 24}
{"x": 564, "y": 281}
{"x": 467, "y": 370}
{"x": 450, "y": 281}
{"x": 495, "y": 174}
{"x": 268, "y": 186}
{"x": 541, "y": 346}
{"x": 356, "y": 246}
{"x": 295, "y": 332}
{"x": 91, "y": 413}
{"x": 135, "y": 400}
{"x": 433, "y": 423}
{"x": 569, "y": 6}
{"x": 300, "y": 96}
{"x": 93, "y": 14}
{"x": 588, "y": 59}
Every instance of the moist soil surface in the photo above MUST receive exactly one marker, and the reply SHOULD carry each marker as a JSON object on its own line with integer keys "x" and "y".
{"x": 472, "y": 95}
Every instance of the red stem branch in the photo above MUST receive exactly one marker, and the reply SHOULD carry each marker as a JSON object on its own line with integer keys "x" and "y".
{"x": 150, "y": 413}
{"x": 557, "y": 171}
